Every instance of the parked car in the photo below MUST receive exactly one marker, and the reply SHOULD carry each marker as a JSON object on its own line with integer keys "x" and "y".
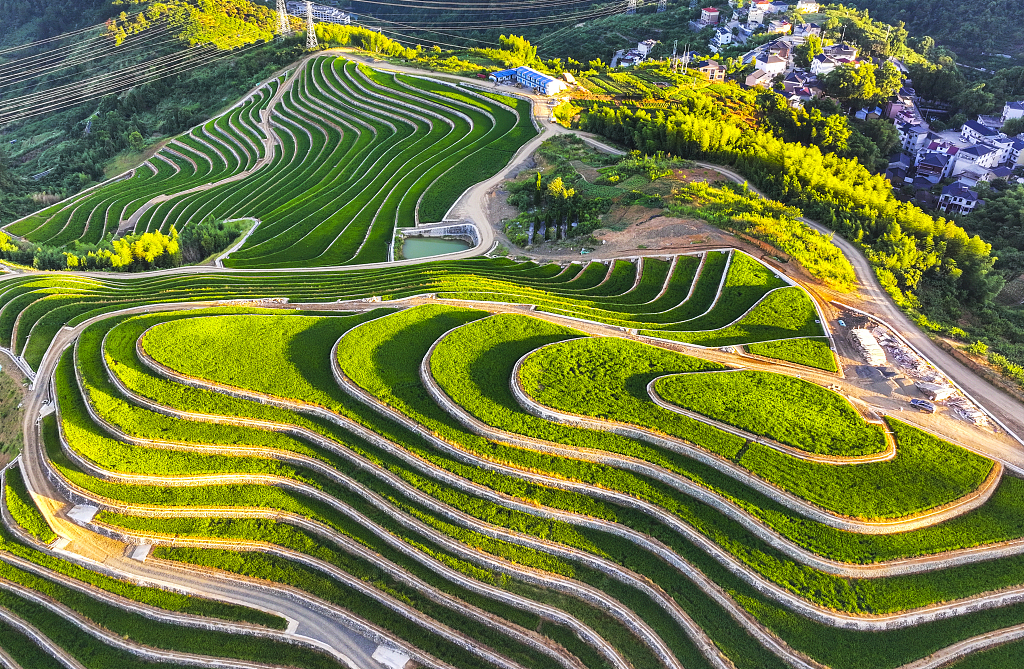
{"x": 923, "y": 405}
{"x": 842, "y": 322}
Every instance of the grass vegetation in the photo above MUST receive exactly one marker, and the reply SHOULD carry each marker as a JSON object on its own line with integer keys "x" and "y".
{"x": 809, "y": 351}
{"x": 792, "y": 411}
{"x": 12, "y": 392}
{"x": 607, "y": 378}
{"x": 234, "y": 495}
{"x": 23, "y": 509}
{"x": 392, "y": 359}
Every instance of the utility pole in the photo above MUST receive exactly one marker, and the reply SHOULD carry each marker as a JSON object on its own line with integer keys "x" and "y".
{"x": 662, "y": 5}
{"x": 284, "y": 26}
{"x": 311, "y": 44}
{"x": 631, "y": 7}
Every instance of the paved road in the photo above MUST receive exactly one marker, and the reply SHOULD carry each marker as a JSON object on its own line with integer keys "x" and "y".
{"x": 329, "y": 630}
{"x": 355, "y": 649}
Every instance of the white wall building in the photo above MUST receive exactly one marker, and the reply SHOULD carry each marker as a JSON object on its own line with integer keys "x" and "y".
{"x": 772, "y": 64}
{"x": 1012, "y": 110}
{"x": 321, "y": 13}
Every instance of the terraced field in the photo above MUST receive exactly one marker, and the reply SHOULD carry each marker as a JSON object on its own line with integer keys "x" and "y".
{"x": 329, "y": 159}
{"x": 530, "y": 473}
{"x": 680, "y": 298}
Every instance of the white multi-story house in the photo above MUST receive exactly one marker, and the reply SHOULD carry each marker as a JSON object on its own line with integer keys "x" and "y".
{"x": 772, "y": 64}
{"x": 1012, "y": 110}
{"x": 957, "y": 198}
{"x": 975, "y": 132}
{"x": 977, "y": 158}
{"x": 823, "y": 64}
{"x": 722, "y": 37}
{"x": 321, "y": 13}
{"x": 913, "y": 136}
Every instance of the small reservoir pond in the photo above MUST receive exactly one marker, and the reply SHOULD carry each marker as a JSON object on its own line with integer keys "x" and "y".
{"x": 424, "y": 247}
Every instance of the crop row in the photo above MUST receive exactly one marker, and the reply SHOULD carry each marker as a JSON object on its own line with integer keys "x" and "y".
{"x": 355, "y": 149}
{"x": 32, "y": 310}
{"x": 159, "y": 459}
{"x": 203, "y": 154}
{"x": 32, "y": 573}
{"x": 607, "y": 378}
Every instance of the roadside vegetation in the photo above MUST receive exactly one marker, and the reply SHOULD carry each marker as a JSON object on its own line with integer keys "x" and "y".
{"x": 811, "y": 352}
{"x": 791, "y": 411}
{"x": 607, "y": 378}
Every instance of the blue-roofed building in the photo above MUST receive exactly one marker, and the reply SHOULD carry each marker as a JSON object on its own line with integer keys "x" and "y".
{"x": 957, "y": 198}
{"x": 975, "y": 132}
{"x": 529, "y": 78}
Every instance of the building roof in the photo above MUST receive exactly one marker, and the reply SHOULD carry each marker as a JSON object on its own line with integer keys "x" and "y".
{"x": 982, "y": 130}
{"x": 1001, "y": 172}
{"x": 521, "y": 71}
{"x": 914, "y": 128}
{"x": 713, "y": 64}
{"x": 710, "y": 9}
{"x": 958, "y": 189}
{"x": 773, "y": 59}
{"x": 1016, "y": 105}
{"x": 902, "y": 160}
{"x": 935, "y": 160}
{"x": 978, "y": 150}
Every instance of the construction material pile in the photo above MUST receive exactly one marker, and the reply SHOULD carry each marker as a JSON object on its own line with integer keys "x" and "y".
{"x": 868, "y": 347}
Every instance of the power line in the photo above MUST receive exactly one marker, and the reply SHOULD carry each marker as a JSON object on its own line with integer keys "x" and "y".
{"x": 67, "y": 96}
{"x": 51, "y": 39}
{"x": 475, "y": 6}
{"x": 86, "y": 55}
{"x": 488, "y": 24}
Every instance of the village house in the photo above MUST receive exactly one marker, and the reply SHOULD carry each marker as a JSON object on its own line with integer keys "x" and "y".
{"x": 709, "y": 16}
{"x": 958, "y": 199}
{"x": 772, "y": 64}
{"x": 1012, "y": 110}
{"x": 759, "y": 78}
{"x": 711, "y": 70}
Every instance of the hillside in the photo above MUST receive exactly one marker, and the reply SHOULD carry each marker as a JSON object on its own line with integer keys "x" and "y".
{"x": 972, "y": 27}
{"x": 162, "y": 71}
{"x": 27, "y": 21}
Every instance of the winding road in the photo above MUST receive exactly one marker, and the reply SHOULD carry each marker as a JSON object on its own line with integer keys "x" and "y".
{"x": 316, "y": 623}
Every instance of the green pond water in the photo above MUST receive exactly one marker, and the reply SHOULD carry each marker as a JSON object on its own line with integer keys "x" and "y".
{"x": 423, "y": 247}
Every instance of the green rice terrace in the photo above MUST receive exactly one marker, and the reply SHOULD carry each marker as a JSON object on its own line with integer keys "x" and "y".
{"x": 481, "y": 464}
{"x": 329, "y": 159}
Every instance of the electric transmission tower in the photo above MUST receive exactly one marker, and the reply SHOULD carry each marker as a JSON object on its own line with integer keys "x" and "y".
{"x": 311, "y": 44}
{"x": 662, "y": 5}
{"x": 284, "y": 26}
{"x": 675, "y": 44}
{"x": 631, "y": 7}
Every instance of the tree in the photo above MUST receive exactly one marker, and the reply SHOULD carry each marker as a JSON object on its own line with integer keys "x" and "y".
{"x": 883, "y": 134}
{"x": 521, "y": 52}
{"x": 1013, "y": 127}
{"x": 135, "y": 141}
{"x": 888, "y": 80}
{"x": 806, "y": 52}
{"x": 975, "y": 100}
{"x": 852, "y": 85}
